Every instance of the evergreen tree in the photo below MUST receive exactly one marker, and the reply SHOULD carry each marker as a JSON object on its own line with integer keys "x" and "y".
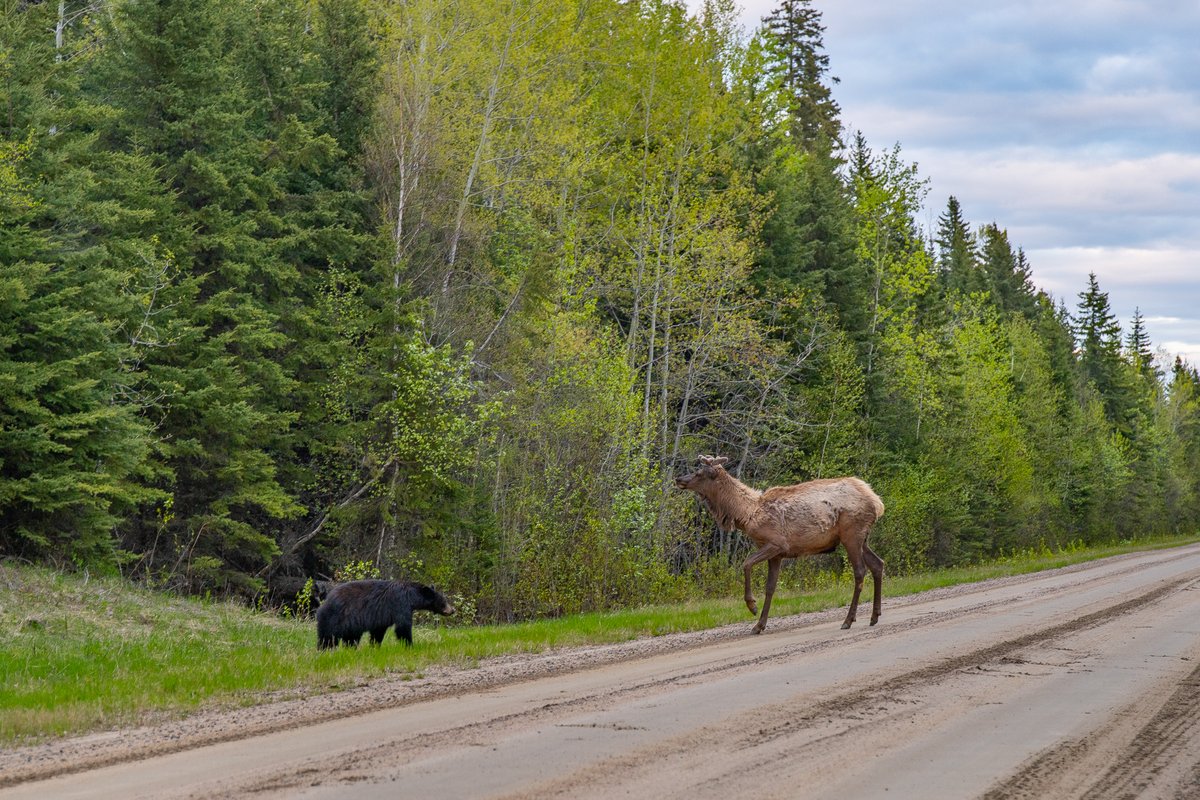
{"x": 1055, "y": 329}
{"x": 1137, "y": 346}
{"x": 179, "y": 87}
{"x": 796, "y": 42}
{"x": 808, "y": 236}
{"x": 71, "y": 452}
{"x": 1007, "y": 273}
{"x": 958, "y": 263}
{"x": 1184, "y": 416}
{"x": 348, "y": 68}
{"x": 1098, "y": 337}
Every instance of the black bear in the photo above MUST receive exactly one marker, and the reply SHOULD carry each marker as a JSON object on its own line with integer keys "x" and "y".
{"x": 354, "y": 608}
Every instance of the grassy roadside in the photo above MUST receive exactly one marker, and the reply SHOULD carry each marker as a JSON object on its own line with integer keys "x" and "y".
{"x": 79, "y": 654}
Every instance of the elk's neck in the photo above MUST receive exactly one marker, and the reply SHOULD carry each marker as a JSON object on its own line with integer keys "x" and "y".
{"x": 732, "y": 502}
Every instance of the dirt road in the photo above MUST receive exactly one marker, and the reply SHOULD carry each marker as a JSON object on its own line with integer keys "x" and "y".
{"x": 1079, "y": 683}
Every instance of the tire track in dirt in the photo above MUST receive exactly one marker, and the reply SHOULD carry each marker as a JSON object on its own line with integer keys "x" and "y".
{"x": 851, "y": 718}
{"x": 1160, "y": 759}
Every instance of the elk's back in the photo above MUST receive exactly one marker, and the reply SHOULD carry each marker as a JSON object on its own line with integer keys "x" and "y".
{"x": 813, "y": 517}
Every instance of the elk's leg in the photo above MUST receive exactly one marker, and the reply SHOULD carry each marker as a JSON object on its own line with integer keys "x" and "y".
{"x": 859, "y": 566}
{"x": 875, "y": 564}
{"x": 765, "y": 553}
{"x": 772, "y": 578}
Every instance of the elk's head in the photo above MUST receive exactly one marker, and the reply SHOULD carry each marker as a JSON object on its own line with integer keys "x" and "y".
{"x": 708, "y": 469}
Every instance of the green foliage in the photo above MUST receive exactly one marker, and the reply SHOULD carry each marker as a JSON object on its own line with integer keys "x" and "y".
{"x": 356, "y": 571}
{"x": 455, "y": 288}
{"x": 71, "y": 454}
{"x": 306, "y": 601}
{"x": 958, "y": 258}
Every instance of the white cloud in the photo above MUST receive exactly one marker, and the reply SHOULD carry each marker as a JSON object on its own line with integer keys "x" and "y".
{"x": 1051, "y": 199}
{"x": 1189, "y": 350}
{"x": 1128, "y": 271}
{"x": 1124, "y": 72}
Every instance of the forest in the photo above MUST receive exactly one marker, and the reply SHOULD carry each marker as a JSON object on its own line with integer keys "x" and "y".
{"x": 453, "y": 289}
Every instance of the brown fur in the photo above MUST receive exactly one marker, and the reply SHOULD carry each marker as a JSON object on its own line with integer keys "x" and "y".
{"x": 792, "y": 521}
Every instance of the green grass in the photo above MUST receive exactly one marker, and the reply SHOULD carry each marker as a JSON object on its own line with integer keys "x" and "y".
{"x": 79, "y": 654}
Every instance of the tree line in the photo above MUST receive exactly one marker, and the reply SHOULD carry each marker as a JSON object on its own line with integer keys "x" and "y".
{"x": 458, "y": 287}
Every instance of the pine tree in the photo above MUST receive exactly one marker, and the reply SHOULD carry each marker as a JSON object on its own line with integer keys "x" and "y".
{"x": 71, "y": 450}
{"x": 1137, "y": 346}
{"x": 800, "y": 66}
{"x": 178, "y": 86}
{"x": 958, "y": 263}
{"x": 1098, "y": 337}
{"x": 1007, "y": 273}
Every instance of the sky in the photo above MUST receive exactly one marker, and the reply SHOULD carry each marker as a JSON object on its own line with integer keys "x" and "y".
{"x": 1073, "y": 124}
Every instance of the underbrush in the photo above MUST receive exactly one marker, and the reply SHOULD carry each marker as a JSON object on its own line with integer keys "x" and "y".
{"x": 80, "y": 653}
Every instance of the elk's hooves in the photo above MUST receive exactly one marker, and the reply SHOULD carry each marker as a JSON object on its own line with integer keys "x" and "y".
{"x": 757, "y": 629}
{"x": 753, "y": 607}
{"x": 874, "y": 620}
{"x": 846, "y": 625}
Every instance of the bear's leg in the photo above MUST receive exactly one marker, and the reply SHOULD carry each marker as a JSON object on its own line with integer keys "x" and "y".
{"x": 404, "y": 627}
{"x": 377, "y": 635}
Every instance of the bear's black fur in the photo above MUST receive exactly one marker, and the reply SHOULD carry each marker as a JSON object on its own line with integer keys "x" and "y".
{"x": 354, "y": 608}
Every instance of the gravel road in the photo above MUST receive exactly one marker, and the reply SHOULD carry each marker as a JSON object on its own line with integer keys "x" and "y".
{"x": 1082, "y": 682}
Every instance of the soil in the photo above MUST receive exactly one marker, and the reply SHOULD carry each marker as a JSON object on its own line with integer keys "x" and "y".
{"x": 1075, "y": 683}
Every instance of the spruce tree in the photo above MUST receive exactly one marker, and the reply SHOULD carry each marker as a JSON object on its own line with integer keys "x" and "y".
{"x": 808, "y": 238}
{"x": 347, "y": 64}
{"x": 71, "y": 449}
{"x": 1137, "y": 346}
{"x": 1098, "y": 338}
{"x": 801, "y": 66}
{"x": 1055, "y": 329}
{"x": 958, "y": 264}
{"x": 180, "y": 94}
{"x": 1007, "y": 273}
{"x": 322, "y": 84}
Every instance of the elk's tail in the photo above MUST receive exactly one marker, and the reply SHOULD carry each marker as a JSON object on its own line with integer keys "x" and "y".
{"x": 876, "y": 503}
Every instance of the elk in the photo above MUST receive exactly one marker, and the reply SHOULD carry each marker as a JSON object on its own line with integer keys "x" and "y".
{"x": 791, "y": 521}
